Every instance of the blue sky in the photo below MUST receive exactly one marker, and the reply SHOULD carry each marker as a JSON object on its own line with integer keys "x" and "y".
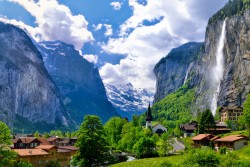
{"x": 124, "y": 38}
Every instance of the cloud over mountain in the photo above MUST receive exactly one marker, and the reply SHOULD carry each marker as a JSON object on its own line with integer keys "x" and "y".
{"x": 148, "y": 35}
{"x": 56, "y": 22}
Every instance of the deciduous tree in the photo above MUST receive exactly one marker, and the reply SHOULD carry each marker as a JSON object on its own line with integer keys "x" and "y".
{"x": 246, "y": 113}
{"x": 93, "y": 148}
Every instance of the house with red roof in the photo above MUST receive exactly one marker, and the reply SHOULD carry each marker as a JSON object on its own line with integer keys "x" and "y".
{"x": 26, "y": 142}
{"x": 203, "y": 139}
{"x": 232, "y": 142}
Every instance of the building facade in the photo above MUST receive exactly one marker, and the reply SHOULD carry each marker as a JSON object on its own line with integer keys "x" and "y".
{"x": 230, "y": 113}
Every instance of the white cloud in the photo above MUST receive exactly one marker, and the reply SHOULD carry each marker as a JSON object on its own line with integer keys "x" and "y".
{"x": 91, "y": 58}
{"x": 179, "y": 22}
{"x": 116, "y": 5}
{"x": 56, "y": 22}
{"x": 97, "y": 27}
{"x": 30, "y": 30}
{"x": 109, "y": 30}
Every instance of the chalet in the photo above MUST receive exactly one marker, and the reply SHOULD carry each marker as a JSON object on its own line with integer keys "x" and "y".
{"x": 189, "y": 128}
{"x": 230, "y": 113}
{"x": 54, "y": 140}
{"x": 26, "y": 142}
{"x": 37, "y": 157}
{"x": 64, "y": 142}
{"x": 232, "y": 142}
{"x": 43, "y": 141}
{"x": 72, "y": 141}
{"x": 220, "y": 128}
{"x": 203, "y": 139}
{"x": 42, "y": 154}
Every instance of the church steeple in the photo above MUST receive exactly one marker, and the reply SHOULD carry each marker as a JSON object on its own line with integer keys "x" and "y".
{"x": 149, "y": 117}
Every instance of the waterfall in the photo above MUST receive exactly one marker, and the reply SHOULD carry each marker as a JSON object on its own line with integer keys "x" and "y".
{"x": 218, "y": 69}
{"x": 186, "y": 76}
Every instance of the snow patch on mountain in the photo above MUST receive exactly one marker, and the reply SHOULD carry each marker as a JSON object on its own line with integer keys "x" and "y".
{"x": 128, "y": 100}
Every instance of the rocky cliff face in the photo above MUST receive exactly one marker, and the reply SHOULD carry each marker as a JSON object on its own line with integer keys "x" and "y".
{"x": 78, "y": 81}
{"x": 26, "y": 89}
{"x": 174, "y": 70}
{"x": 235, "y": 81}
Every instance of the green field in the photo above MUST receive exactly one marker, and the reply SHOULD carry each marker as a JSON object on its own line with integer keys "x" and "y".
{"x": 151, "y": 162}
{"x": 243, "y": 155}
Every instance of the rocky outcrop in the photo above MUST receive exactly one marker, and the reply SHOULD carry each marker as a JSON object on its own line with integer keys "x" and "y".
{"x": 26, "y": 89}
{"x": 174, "y": 70}
{"x": 78, "y": 80}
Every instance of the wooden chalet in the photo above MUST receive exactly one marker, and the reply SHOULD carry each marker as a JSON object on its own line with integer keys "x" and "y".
{"x": 189, "y": 128}
{"x": 232, "y": 142}
{"x": 26, "y": 142}
{"x": 220, "y": 128}
{"x": 43, "y": 154}
{"x": 54, "y": 140}
{"x": 203, "y": 139}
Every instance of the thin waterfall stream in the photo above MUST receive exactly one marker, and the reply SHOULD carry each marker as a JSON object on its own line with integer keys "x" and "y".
{"x": 219, "y": 68}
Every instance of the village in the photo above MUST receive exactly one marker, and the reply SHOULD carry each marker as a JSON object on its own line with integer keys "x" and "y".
{"x": 39, "y": 151}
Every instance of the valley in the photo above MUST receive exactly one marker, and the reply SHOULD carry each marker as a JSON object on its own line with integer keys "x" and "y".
{"x": 137, "y": 91}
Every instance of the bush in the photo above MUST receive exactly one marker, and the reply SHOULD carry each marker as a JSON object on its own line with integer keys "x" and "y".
{"x": 204, "y": 157}
{"x": 231, "y": 160}
{"x": 166, "y": 164}
{"x": 223, "y": 150}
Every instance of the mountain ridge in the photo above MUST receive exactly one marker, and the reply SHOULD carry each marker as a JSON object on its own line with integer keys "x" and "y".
{"x": 78, "y": 80}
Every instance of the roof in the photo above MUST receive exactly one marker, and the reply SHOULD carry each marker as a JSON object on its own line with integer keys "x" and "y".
{"x": 68, "y": 148}
{"x": 159, "y": 125}
{"x": 232, "y": 138}
{"x": 203, "y": 136}
{"x": 25, "y": 139}
{"x": 64, "y": 141}
{"x": 230, "y": 108}
{"x": 219, "y": 129}
{"x": 221, "y": 124}
{"x": 43, "y": 141}
{"x": 188, "y": 127}
{"x": 51, "y": 139}
{"x": 46, "y": 147}
{"x": 63, "y": 150}
{"x": 214, "y": 138}
{"x": 30, "y": 152}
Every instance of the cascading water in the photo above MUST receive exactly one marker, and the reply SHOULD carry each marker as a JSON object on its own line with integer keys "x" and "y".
{"x": 186, "y": 76}
{"x": 219, "y": 68}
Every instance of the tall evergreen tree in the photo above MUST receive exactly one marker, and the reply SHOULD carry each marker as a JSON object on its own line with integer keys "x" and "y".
{"x": 206, "y": 121}
{"x": 93, "y": 148}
